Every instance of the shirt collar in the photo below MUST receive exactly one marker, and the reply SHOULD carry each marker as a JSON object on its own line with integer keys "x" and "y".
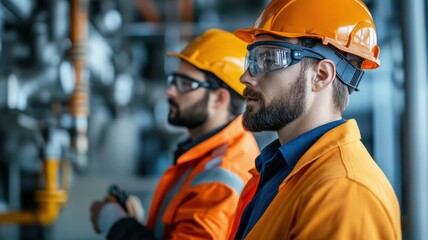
{"x": 293, "y": 150}
{"x": 188, "y": 143}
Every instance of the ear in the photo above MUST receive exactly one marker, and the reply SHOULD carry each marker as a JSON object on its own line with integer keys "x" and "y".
{"x": 325, "y": 73}
{"x": 221, "y": 97}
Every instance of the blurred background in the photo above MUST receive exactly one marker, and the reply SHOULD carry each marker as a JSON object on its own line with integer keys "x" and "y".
{"x": 82, "y": 104}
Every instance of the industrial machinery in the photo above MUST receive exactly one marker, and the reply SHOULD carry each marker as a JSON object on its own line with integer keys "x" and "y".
{"x": 52, "y": 55}
{"x": 82, "y": 92}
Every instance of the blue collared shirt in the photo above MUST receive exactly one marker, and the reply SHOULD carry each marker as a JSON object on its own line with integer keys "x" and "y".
{"x": 274, "y": 163}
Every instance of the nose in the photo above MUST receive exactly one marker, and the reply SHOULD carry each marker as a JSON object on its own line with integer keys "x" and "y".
{"x": 171, "y": 90}
{"x": 247, "y": 79}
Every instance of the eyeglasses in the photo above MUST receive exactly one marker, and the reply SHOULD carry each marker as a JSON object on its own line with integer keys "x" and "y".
{"x": 267, "y": 56}
{"x": 186, "y": 84}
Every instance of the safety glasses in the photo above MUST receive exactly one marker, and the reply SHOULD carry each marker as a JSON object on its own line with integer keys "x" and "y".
{"x": 184, "y": 83}
{"x": 267, "y": 56}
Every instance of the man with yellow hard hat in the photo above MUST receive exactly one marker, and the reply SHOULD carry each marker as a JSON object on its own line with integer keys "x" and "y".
{"x": 317, "y": 180}
{"x": 196, "y": 197}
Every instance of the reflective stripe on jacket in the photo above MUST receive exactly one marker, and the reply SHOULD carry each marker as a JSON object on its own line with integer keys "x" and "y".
{"x": 197, "y": 197}
{"x": 336, "y": 191}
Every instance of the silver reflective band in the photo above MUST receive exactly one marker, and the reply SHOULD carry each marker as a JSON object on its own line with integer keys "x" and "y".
{"x": 219, "y": 175}
{"x": 172, "y": 192}
{"x": 267, "y": 56}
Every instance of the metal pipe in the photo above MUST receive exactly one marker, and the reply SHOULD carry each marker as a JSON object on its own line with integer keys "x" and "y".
{"x": 385, "y": 115}
{"x": 79, "y": 101}
{"x": 416, "y": 129}
{"x": 185, "y": 9}
{"x": 78, "y": 36}
{"x": 148, "y": 10}
{"x": 49, "y": 200}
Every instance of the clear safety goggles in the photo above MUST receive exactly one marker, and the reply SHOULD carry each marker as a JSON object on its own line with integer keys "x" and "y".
{"x": 267, "y": 56}
{"x": 184, "y": 83}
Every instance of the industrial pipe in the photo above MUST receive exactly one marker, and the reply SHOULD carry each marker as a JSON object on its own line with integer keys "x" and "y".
{"x": 79, "y": 101}
{"x": 416, "y": 117}
{"x": 49, "y": 200}
{"x": 148, "y": 9}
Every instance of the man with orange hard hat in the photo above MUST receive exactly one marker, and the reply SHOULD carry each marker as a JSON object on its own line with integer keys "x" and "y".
{"x": 196, "y": 197}
{"x": 317, "y": 180}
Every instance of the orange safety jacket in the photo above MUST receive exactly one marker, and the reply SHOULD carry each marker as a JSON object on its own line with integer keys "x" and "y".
{"x": 197, "y": 197}
{"x": 335, "y": 191}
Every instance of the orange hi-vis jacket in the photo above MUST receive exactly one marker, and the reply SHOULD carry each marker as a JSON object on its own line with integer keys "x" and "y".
{"x": 335, "y": 191}
{"x": 197, "y": 197}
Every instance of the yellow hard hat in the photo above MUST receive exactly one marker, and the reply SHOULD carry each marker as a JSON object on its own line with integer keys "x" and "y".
{"x": 345, "y": 24}
{"x": 218, "y": 52}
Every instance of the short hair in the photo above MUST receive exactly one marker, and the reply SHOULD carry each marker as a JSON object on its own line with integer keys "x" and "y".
{"x": 340, "y": 90}
{"x": 237, "y": 102}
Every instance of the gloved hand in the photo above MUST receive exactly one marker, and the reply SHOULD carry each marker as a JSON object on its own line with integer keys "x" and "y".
{"x": 130, "y": 203}
{"x": 116, "y": 205}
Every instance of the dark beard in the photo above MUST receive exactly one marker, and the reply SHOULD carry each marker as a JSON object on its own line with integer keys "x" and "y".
{"x": 191, "y": 117}
{"x": 282, "y": 111}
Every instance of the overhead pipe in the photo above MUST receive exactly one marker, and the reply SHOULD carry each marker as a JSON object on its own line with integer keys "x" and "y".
{"x": 79, "y": 101}
{"x": 148, "y": 10}
{"x": 185, "y": 9}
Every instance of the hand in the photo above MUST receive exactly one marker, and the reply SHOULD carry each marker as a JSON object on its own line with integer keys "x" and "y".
{"x": 116, "y": 205}
{"x": 95, "y": 211}
{"x": 130, "y": 203}
{"x": 135, "y": 208}
{"x": 105, "y": 213}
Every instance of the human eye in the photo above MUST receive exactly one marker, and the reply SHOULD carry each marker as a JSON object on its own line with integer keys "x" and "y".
{"x": 185, "y": 84}
{"x": 269, "y": 60}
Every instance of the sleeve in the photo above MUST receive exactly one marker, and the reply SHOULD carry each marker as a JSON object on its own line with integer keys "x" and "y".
{"x": 130, "y": 229}
{"x": 343, "y": 209}
{"x": 207, "y": 213}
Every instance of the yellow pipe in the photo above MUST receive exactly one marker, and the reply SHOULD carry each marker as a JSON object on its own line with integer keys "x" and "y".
{"x": 66, "y": 175}
{"x": 49, "y": 200}
{"x": 50, "y": 171}
{"x": 18, "y": 217}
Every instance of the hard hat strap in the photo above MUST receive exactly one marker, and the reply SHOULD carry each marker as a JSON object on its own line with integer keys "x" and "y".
{"x": 349, "y": 74}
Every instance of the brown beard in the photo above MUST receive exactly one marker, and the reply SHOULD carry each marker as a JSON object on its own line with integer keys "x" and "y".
{"x": 191, "y": 117}
{"x": 283, "y": 109}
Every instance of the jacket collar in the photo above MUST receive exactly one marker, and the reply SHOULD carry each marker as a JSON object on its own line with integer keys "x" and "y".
{"x": 227, "y": 135}
{"x": 338, "y": 136}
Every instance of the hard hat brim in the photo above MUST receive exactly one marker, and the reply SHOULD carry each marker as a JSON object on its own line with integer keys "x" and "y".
{"x": 236, "y": 87}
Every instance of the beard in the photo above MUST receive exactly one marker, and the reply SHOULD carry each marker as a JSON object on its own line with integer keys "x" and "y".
{"x": 283, "y": 109}
{"x": 190, "y": 117}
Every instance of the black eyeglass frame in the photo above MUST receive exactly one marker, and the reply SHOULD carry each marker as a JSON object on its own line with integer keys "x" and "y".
{"x": 209, "y": 85}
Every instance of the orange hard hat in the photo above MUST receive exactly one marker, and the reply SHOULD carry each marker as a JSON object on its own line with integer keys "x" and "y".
{"x": 345, "y": 24}
{"x": 218, "y": 52}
